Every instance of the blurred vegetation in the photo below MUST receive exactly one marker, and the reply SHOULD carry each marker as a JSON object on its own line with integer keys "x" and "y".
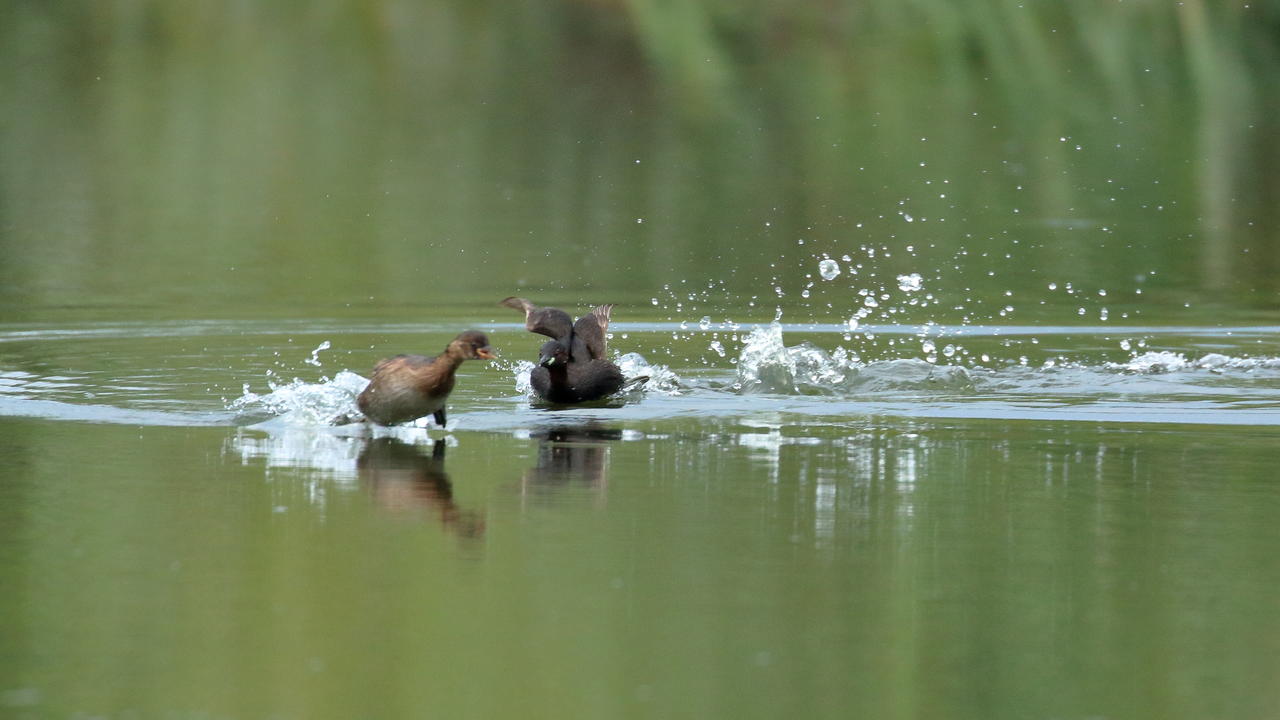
{"x": 308, "y": 157}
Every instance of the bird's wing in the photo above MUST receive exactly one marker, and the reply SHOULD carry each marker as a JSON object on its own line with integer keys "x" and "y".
{"x": 554, "y": 323}
{"x": 589, "y": 334}
{"x": 401, "y": 361}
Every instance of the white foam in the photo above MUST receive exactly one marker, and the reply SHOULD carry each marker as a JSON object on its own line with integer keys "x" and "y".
{"x": 301, "y": 403}
{"x": 662, "y": 379}
{"x": 767, "y": 364}
{"x": 1163, "y": 361}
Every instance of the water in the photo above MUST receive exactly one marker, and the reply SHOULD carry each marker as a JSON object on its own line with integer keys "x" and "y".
{"x": 963, "y": 346}
{"x": 784, "y": 529}
{"x": 858, "y": 530}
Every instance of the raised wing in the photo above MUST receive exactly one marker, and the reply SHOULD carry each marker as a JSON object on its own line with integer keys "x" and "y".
{"x": 554, "y": 323}
{"x": 589, "y": 334}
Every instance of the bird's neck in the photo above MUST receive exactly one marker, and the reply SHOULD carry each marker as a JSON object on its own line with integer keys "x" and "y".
{"x": 559, "y": 370}
{"x": 447, "y": 361}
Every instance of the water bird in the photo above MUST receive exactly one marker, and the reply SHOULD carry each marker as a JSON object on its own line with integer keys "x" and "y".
{"x": 572, "y": 365}
{"x": 407, "y": 387}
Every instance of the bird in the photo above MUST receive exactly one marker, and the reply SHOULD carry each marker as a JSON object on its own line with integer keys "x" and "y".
{"x": 572, "y": 366}
{"x": 407, "y": 387}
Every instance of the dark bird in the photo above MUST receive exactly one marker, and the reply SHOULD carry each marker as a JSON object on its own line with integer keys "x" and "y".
{"x": 572, "y": 366}
{"x": 407, "y": 387}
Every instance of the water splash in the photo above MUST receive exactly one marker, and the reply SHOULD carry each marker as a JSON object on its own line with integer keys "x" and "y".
{"x": 1152, "y": 363}
{"x": 314, "y": 360}
{"x": 661, "y": 378}
{"x": 522, "y": 370}
{"x": 300, "y": 403}
{"x": 767, "y": 365}
{"x": 910, "y": 283}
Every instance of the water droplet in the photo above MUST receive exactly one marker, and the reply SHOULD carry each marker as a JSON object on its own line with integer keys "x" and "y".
{"x": 910, "y": 283}
{"x": 315, "y": 354}
{"x": 705, "y": 323}
{"x": 829, "y": 269}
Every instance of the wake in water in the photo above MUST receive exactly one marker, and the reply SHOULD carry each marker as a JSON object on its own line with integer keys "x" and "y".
{"x": 1074, "y": 374}
{"x": 769, "y": 374}
{"x": 332, "y": 401}
{"x": 767, "y": 365}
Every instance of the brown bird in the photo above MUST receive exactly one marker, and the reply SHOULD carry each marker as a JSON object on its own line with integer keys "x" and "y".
{"x": 407, "y": 387}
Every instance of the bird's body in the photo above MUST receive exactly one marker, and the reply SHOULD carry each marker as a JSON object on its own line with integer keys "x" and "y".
{"x": 567, "y": 383}
{"x": 573, "y": 366}
{"x": 407, "y": 387}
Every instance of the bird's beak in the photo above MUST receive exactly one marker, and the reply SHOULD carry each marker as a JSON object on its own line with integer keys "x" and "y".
{"x": 487, "y": 353}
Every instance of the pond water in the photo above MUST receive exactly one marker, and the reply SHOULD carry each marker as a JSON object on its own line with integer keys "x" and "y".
{"x": 963, "y": 346}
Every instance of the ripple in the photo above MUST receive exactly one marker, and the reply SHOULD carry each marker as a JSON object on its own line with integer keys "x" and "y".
{"x": 1180, "y": 375}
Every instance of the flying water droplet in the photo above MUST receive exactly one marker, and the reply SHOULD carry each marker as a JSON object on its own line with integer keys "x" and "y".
{"x": 315, "y": 354}
{"x": 829, "y": 269}
{"x": 910, "y": 283}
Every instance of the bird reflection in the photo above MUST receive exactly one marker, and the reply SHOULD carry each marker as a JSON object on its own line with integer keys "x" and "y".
{"x": 571, "y": 456}
{"x": 402, "y": 478}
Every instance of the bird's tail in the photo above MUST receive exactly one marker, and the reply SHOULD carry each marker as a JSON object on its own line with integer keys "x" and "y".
{"x": 634, "y": 383}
